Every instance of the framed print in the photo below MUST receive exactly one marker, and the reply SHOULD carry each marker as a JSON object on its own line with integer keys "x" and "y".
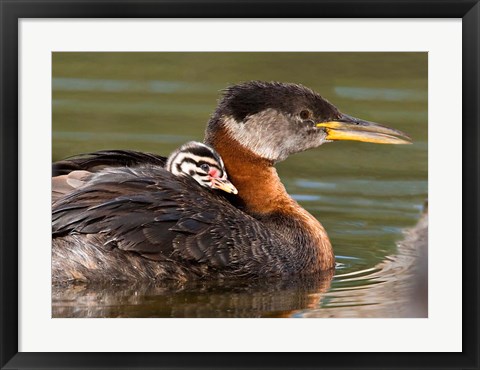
{"x": 174, "y": 243}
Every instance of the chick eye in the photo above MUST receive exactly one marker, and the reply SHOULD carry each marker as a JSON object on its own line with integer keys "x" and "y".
{"x": 205, "y": 167}
{"x": 305, "y": 114}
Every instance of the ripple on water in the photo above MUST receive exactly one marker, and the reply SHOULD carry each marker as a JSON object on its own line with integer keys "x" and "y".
{"x": 120, "y": 136}
{"x": 130, "y": 86}
{"x": 376, "y": 93}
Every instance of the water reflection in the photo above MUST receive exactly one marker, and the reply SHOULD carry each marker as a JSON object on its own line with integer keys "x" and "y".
{"x": 227, "y": 298}
{"x": 364, "y": 194}
{"x": 396, "y": 287}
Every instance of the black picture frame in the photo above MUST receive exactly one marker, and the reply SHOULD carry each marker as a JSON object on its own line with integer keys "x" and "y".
{"x": 12, "y": 11}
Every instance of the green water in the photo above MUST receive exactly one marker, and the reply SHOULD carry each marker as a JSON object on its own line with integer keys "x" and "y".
{"x": 364, "y": 194}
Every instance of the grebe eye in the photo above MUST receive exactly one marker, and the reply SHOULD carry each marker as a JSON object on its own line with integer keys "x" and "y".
{"x": 205, "y": 167}
{"x": 305, "y": 114}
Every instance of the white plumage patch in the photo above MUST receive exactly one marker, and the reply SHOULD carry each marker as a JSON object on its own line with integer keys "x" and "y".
{"x": 185, "y": 162}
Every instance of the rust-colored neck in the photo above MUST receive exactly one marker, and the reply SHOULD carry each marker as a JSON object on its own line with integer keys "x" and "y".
{"x": 263, "y": 196}
{"x": 256, "y": 179}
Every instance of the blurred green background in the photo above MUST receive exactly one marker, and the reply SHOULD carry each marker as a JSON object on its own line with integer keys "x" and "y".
{"x": 364, "y": 194}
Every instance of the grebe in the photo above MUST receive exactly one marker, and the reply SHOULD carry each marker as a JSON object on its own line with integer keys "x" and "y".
{"x": 193, "y": 159}
{"x": 202, "y": 163}
{"x": 136, "y": 220}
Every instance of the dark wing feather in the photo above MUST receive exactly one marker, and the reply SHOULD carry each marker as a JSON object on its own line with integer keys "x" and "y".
{"x": 97, "y": 161}
{"x": 164, "y": 217}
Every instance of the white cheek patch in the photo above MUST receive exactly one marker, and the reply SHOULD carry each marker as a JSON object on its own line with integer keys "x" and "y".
{"x": 202, "y": 180}
{"x": 187, "y": 168}
{"x": 259, "y": 138}
{"x": 190, "y": 169}
{"x": 260, "y": 134}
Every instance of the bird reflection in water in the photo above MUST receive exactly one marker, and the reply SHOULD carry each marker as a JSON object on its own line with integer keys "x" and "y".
{"x": 226, "y": 298}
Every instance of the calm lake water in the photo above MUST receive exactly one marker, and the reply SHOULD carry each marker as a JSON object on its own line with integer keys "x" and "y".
{"x": 365, "y": 195}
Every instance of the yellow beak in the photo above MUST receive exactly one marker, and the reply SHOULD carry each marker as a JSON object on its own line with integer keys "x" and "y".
{"x": 224, "y": 185}
{"x": 351, "y": 128}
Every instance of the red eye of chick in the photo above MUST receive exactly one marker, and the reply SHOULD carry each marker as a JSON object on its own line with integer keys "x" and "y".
{"x": 213, "y": 172}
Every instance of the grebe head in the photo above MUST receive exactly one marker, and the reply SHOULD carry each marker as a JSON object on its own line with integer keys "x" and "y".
{"x": 202, "y": 163}
{"x": 274, "y": 120}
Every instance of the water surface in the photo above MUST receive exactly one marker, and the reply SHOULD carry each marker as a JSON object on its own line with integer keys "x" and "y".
{"x": 366, "y": 195}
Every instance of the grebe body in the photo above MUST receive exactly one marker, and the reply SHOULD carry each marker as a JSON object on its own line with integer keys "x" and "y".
{"x": 133, "y": 219}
